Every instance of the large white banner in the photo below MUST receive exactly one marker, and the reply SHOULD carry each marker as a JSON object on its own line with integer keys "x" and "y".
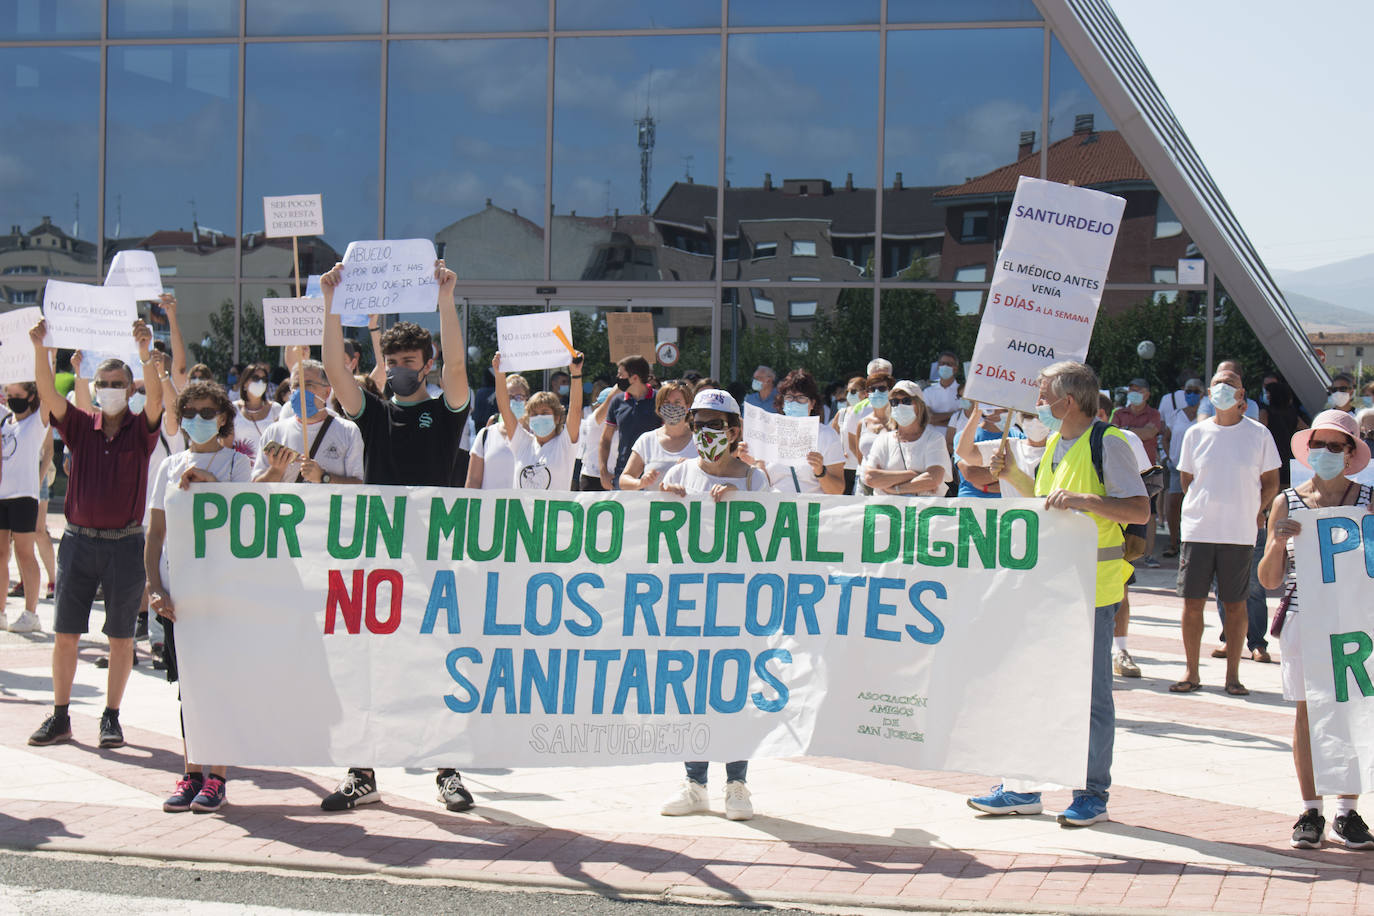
{"x": 1043, "y": 299}
{"x": 1335, "y": 560}
{"x": 396, "y": 626}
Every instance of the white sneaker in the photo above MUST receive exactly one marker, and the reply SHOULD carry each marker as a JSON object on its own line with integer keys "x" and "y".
{"x": 26, "y": 622}
{"x": 691, "y": 800}
{"x": 738, "y": 807}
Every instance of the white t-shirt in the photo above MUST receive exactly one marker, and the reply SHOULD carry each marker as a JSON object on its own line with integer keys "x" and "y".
{"x": 804, "y": 480}
{"x": 590, "y": 443}
{"x": 246, "y": 430}
{"x": 226, "y": 464}
{"x": 22, "y": 444}
{"x": 539, "y": 467}
{"x": 166, "y": 445}
{"x": 891, "y": 454}
{"x": 498, "y": 461}
{"x": 1179, "y": 424}
{"x": 469, "y": 433}
{"x": 339, "y": 455}
{"x": 1205, "y": 408}
{"x": 941, "y": 398}
{"x": 693, "y": 479}
{"x": 1223, "y": 500}
{"x": 655, "y": 454}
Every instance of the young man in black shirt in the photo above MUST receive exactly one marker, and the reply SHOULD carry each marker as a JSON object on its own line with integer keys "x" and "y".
{"x": 410, "y": 440}
{"x": 631, "y": 412}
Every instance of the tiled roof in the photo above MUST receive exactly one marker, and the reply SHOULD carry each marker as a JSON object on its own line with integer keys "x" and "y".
{"x": 1087, "y": 160}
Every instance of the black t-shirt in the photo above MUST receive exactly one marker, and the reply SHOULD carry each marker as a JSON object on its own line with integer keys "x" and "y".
{"x": 412, "y": 444}
{"x": 633, "y": 417}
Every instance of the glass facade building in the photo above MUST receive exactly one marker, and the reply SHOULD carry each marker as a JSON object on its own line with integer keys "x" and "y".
{"x": 735, "y": 166}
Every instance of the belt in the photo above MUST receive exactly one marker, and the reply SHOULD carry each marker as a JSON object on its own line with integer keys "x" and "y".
{"x": 1111, "y": 553}
{"x": 106, "y": 534}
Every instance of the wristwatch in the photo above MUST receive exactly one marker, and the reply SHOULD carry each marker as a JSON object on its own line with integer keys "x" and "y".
{"x": 325, "y": 478}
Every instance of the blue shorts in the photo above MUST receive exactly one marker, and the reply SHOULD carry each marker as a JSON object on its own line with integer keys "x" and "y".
{"x": 85, "y": 563}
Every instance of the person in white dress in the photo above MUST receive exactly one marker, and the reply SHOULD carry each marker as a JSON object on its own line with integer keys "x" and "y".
{"x": 542, "y": 442}
{"x": 909, "y": 457}
{"x": 659, "y": 449}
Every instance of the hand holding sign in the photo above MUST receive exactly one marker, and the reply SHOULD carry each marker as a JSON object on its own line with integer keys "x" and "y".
{"x": 539, "y": 341}
{"x": 85, "y": 317}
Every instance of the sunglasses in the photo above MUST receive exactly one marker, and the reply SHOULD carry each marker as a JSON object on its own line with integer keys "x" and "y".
{"x": 799, "y": 399}
{"x": 1336, "y": 447}
{"x": 710, "y": 424}
{"x": 898, "y": 401}
{"x": 205, "y": 413}
{"x": 877, "y": 389}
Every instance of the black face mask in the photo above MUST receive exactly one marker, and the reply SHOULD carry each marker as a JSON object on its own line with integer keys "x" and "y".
{"x": 623, "y": 384}
{"x": 19, "y": 405}
{"x": 404, "y": 382}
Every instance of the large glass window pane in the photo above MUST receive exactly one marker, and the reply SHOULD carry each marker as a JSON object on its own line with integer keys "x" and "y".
{"x": 465, "y": 152}
{"x": 802, "y": 124}
{"x": 961, "y": 11}
{"x": 1073, "y": 105}
{"x": 637, "y": 14}
{"x": 635, "y": 135}
{"x": 48, "y": 19}
{"x": 507, "y": 16}
{"x": 205, "y": 312}
{"x": 827, "y": 332}
{"x": 953, "y": 157}
{"x": 286, "y": 152}
{"x": 50, "y": 105}
{"x": 173, "y": 18}
{"x": 802, "y": 12}
{"x": 916, "y": 324}
{"x": 314, "y": 17}
{"x": 170, "y": 156}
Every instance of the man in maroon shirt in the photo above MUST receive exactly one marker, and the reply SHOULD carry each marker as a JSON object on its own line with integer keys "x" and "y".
{"x": 1147, "y": 423}
{"x": 103, "y": 544}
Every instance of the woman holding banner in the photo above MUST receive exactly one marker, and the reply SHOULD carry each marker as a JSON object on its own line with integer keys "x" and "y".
{"x": 543, "y": 443}
{"x": 659, "y": 449}
{"x": 909, "y": 457}
{"x": 255, "y": 412}
{"x": 797, "y": 395}
{"x": 1334, "y": 451}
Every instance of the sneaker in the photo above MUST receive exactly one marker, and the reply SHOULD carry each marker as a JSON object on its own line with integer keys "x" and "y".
{"x": 738, "y": 807}
{"x": 452, "y": 792}
{"x": 1124, "y": 666}
{"x": 691, "y": 800}
{"x": 27, "y": 622}
{"x": 141, "y": 626}
{"x": 1307, "y": 832}
{"x": 17, "y": 591}
{"x": 358, "y": 788}
{"x": 1151, "y": 563}
{"x": 1351, "y": 831}
{"x": 211, "y": 796}
{"x": 1085, "y": 810}
{"x": 1000, "y": 801}
{"x": 55, "y": 728}
{"x": 52, "y": 590}
{"x": 111, "y": 735}
{"x": 188, "y": 787}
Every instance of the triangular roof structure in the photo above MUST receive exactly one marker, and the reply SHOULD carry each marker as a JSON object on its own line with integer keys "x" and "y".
{"x": 1098, "y": 45}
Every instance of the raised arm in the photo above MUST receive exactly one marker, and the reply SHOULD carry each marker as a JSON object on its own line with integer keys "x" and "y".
{"x": 345, "y": 386}
{"x": 378, "y": 373}
{"x": 573, "y": 423}
{"x": 180, "y": 370}
{"x": 455, "y": 375}
{"x": 508, "y": 421}
{"x": 152, "y": 375}
{"x": 52, "y": 402}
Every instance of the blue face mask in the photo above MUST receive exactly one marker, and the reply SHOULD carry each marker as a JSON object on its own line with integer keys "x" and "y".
{"x": 1223, "y": 396}
{"x": 757, "y": 385}
{"x": 877, "y": 399}
{"x": 852, "y": 398}
{"x": 1045, "y": 412}
{"x": 563, "y": 391}
{"x": 200, "y": 429}
{"x": 311, "y": 404}
{"x": 1326, "y": 465}
{"x": 1192, "y": 398}
{"x": 904, "y": 414}
{"x": 795, "y": 409}
{"x": 542, "y": 425}
{"x": 517, "y": 407}
{"x": 945, "y": 372}
{"x": 1135, "y": 398}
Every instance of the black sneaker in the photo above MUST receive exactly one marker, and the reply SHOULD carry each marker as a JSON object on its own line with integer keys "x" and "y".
{"x": 1351, "y": 831}
{"x": 188, "y": 787}
{"x": 111, "y": 735}
{"x": 452, "y": 792}
{"x": 1307, "y": 832}
{"x": 359, "y": 787}
{"x": 55, "y": 728}
{"x": 141, "y": 627}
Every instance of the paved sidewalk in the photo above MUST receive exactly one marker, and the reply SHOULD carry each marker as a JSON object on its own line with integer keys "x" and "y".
{"x": 1202, "y": 809}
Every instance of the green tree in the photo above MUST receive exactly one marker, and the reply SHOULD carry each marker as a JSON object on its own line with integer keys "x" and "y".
{"x": 219, "y": 355}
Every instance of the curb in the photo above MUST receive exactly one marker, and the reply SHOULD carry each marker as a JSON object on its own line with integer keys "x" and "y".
{"x": 645, "y": 890}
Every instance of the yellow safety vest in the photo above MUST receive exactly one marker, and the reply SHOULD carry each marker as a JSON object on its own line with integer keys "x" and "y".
{"x": 1076, "y": 473}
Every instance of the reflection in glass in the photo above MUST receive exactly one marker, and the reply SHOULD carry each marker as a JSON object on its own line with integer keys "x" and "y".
{"x": 800, "y": 160}
{"x": 803, "y": 12}
{"x": 465, "y": 152}
{"x": 50, "y": 106}
{"x": 953, "y": 156}
{"x": 314, "y": 17}
{"x": 427, "y": 16}
{"x": 961, "y": 11}
{"x": 291, "y": 150}
{"x": 17, "y": 293}
{"x": 170, "y": 143}
{"x": 637, "y": 14}
{"x": 22, "y": 20}
{"x": 173, "y": 18}
{"x": 205, "y": 312}
{"x": 635, "y": 125}
{"x": 1071, "y": 99}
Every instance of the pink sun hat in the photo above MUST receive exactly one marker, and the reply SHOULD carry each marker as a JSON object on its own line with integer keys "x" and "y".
{"x": 1334, "y": 421}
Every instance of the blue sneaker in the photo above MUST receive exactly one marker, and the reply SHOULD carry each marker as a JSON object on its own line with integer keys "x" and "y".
{"x": 1085, "y": 810}
{"x": 1000, "y": 801}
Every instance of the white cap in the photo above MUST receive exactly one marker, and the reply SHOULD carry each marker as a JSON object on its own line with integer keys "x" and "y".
{"x": 715, "y": 399}
{"x": 879, "y": 365}
{"x": 908, "y": 387}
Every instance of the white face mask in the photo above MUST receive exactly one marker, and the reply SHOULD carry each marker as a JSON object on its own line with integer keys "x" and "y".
{"x": 1035, "y": 430}
{"x": 257, "y": 388}
{"x": 111, "y": 400}
{"x": 137, "y": 402}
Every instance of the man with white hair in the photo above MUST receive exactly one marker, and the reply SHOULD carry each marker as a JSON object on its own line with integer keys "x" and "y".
{"x": 762, "y": 395}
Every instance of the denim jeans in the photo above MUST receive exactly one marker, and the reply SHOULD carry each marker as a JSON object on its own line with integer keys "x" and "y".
{"x": 1256, "y": 603}
{"x": 734, "y": 771}
{"x": 1102, "y": 712}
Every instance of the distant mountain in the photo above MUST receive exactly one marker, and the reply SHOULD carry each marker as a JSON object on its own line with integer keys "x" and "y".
{"x": 1349, "y": 283}
{"x": 1319, "y": 315}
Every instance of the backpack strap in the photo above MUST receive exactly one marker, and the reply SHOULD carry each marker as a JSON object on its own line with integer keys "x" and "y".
{"x": 1095, "y": 437}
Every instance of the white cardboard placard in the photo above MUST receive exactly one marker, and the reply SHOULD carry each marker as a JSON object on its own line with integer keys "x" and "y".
{"x": 387, "y": 277}
{"x": 779, "y": 439}
{"x": 299, "y": 214}
{"x": 82, "y": 317}
{"x": 137, "y": 270}
{"x": 16, "y": 349}
{"x": 529, "y": 342}
{"x": 293, "y": 322}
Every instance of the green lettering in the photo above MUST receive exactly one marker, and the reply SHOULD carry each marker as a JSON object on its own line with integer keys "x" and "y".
{"x": 391, "y": 528}
{"x": 786, "y": 527}
{"x": 746, "y": 518}
{"x": 713, "y": 553}
{"x": 257, "y": 525}
{"x": 873, "y": 512}
{"x": 552, "y": 552}
{"x": 354, "y": 548}
{"x": 944, "y": 555}
{"x": 287, "y": 511}
{"x": 617, "y": 513}
{"x": 525, "y": 529}
{"x": 446, "y": 522}
{"x": 203, "y": 520}
{"x": 1349, "y": 654}
{"x": 475, "y": 549}
{"x": 1005, "y": 529}
{"x": 666, "y": 518}
{"x": 984, "y": 540}
{"x": 814, "y": 554}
